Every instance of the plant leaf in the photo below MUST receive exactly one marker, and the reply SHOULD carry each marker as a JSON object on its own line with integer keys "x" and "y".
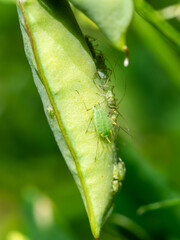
{"x": 112, "y": 17}
{"x": 158, "y": 205}
{"x": 160, "y": 48}
{"x": 128, "y": 224}
{"x": 146, "y": 11}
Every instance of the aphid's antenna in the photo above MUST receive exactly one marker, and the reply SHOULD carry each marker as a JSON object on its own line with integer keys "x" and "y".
{"x": 126, "y": 60}
{"x": 128, "y": 131}
{"x": 98, "y": 85}
{"x": 89, "y": 122}
{"x": 124, "y": 130}
{"x": 101, "y": 94}
{"x": 108, "y": 140}
{"x": 97, "y": 147}
{"x": 120, "y": 114}
{"x": 82, "y": 100}
{"x": 87, "y": 109}
{"x": 124, "y": 93}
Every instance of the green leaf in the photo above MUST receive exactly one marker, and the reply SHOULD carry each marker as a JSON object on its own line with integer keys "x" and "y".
{"x": 112, "y": 17}
{"x": 162, "y": 51}
{"x": 158, "y": 205}
{"x": 146, "y": 11}
{"x": 62, "y": 65}
{"x": 131, "y": 226}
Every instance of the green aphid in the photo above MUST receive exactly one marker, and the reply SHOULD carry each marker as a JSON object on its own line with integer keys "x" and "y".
{"x": 102, "y": 122}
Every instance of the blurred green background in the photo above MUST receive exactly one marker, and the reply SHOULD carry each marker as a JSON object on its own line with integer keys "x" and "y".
{"x": 38, "y": 197}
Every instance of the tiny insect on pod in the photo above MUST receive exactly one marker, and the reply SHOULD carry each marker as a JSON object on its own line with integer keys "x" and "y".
{"x": 112, "y": 111}
{"x": 50, "y": 112}
{"x": 113, "y": 108}
{"x": 102, "y": 122}
{"x": 103, "y": 125}
{"x": 103, "y": 73}
{"x": 119, "y": 172}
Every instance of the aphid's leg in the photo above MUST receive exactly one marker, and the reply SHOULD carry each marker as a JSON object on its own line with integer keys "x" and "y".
{"x": 86, "y": 110}
{"x": 108, "y": 140}
{"x": 113, "y": 110}
{"x": 100, "y": 87}
{"x": 103, "y": 100}
{"x": 110, "y": 72}
{"x": 124, "y": 93}
{"x": 97, "y": 146}
{"x": 89, "y": 122}
{"x": 126, "y": 124}
{"x": 114, "y": 131}
{"x": 101, "y": 94}
{"x": 108, "y": 79}
{"x": 105, "y": 81}
{"x": 99, "y": 140}
{"x": 116, "y": 124}
{"x": 82, "y": 100}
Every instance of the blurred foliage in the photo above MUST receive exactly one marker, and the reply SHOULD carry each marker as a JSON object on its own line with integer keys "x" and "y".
{"x": 30, "y": 159}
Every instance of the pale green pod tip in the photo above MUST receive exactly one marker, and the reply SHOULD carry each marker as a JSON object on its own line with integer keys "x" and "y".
{"x": 62, "y": 65}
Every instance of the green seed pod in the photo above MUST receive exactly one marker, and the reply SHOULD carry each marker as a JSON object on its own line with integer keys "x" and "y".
{"x": 62, "y": 65}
